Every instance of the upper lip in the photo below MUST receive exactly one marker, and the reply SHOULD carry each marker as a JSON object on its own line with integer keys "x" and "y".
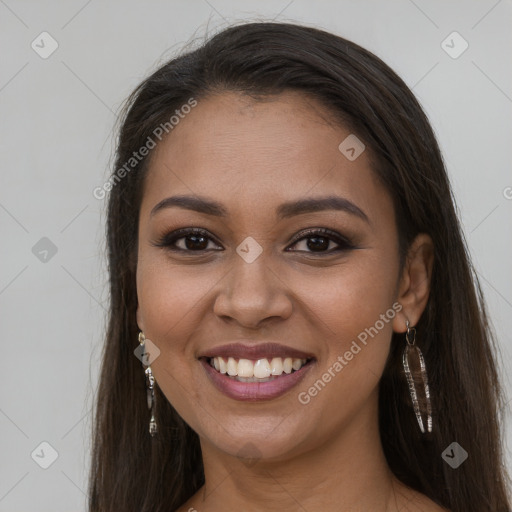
{"x": 262, "y": 350}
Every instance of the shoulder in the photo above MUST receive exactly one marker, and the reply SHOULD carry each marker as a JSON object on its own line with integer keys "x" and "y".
{"x": 409, "y": 500}
{"x": 422, "y": 503}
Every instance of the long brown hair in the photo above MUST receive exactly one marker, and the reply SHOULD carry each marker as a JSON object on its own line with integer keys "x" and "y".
{"x": 130, "y": 470}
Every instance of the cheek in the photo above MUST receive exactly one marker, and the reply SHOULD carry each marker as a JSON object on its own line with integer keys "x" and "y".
{"x": 356, "y": 295}
{"x": 168, "y": 302}
{"x": 356, "y": 311}
{"x": 169, "y": 298}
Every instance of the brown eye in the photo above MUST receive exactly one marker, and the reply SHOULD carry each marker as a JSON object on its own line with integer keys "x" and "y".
{"x": 319, "y": 240}
{"x": 194, "y": 240}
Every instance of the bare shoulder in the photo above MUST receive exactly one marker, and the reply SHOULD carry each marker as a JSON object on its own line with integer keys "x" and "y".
{"x": 409, "y": 500}
{"x": 425, "y": 504}
{"x": 422, "y": 503}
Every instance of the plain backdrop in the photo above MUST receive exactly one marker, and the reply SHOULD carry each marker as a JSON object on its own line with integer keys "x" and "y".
{"x": 57, "y": 117}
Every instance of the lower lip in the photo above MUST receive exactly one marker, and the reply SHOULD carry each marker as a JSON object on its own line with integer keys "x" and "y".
{"x": 255, "y": 391}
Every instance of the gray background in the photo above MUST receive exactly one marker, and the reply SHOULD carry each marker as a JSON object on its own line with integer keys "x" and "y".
{"x": 57, "y": 119}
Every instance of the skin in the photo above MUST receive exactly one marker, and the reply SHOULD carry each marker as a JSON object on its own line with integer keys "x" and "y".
{"x": 251, "y": 156}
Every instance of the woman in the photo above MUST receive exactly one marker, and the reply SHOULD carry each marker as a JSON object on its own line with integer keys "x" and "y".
{"x": 295, "y": 323}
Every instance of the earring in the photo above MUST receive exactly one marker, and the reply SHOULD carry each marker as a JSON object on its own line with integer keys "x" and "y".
{"x": 150, "y": 385}
{"x": 409, "y": 348}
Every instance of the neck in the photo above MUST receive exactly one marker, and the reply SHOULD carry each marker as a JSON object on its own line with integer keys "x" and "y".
{"x": 348, "y": 472}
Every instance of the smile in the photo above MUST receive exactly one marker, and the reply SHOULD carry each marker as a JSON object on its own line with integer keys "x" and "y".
{"x": 260, "y": 370}
{"x": 255, "y": 380}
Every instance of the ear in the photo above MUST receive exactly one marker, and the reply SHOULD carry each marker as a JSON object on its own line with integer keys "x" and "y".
{"x": 140, "y": 323}
{"x": 414, "y": 286}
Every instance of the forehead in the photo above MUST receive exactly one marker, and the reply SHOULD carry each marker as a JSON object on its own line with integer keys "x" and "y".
{"x": 243, "y": 151}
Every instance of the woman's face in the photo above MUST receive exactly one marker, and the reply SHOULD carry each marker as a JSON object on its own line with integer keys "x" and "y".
{"x": 329, "y": 297}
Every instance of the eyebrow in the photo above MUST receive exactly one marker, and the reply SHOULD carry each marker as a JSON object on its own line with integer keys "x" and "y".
{"x": 285, "y": 210}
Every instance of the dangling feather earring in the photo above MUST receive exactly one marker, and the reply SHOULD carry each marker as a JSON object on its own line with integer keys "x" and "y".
{"x": 150, "y": 385}
{"x": 412, "y": 348}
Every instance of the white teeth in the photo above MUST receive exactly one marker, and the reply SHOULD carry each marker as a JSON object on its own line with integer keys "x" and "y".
{"x": 276, "y": 366}
{"x": 245, "y": 368}
{"x": 232, "y": 367}
{"x": 261, "y": 369}
{"x": 250, "y": 371}
{"x": 296, "y": 364}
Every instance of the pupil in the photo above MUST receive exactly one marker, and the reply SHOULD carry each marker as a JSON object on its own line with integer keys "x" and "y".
{"x": 316, "y": 244}
{"x": 195, "y": 243}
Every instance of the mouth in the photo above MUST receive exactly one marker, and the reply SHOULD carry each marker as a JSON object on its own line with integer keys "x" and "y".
{"x": 255, "y": 379}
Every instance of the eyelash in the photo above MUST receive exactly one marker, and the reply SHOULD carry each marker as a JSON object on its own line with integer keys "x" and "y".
{"x": 168, "y": 240}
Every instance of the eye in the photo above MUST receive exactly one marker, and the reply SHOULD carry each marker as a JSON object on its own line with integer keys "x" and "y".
{"x": 318, "y": 240}
{"x": 194, "y": 239}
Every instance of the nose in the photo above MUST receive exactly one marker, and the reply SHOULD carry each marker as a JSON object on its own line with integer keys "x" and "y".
{"x": 252, "y": 293}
